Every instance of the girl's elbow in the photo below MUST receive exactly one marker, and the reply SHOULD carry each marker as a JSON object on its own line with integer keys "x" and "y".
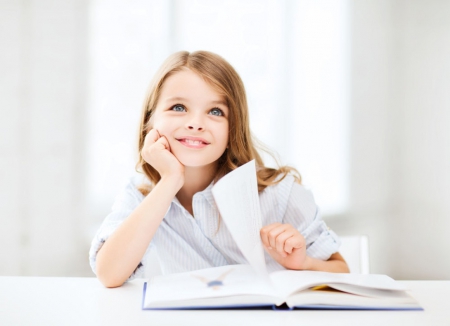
{"x": 111, "y": 283}
{"x": 341, "y": 265}
{"x": 108, "y": 279}
{"x": 344, "y": 268}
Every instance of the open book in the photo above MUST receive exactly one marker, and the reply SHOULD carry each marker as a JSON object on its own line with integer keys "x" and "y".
{"x": 251, "y": 285}
{"x": 238, "y": 286}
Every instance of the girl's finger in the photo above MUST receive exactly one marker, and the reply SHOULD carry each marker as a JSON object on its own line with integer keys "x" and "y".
{"x": 166, "y": 142}
{"x": 281, "y": 240}
{"x": 264, "y": 232}
{"x": 163, "y": 141}
{"x": 296, "y": 241}
{"x": 151, "y": 137}
{"x": 275, "y": 232}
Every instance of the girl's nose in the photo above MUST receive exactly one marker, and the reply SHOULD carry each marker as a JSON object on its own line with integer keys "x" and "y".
{"x": 193, "y": 126}
{"x": 195, "y": 123}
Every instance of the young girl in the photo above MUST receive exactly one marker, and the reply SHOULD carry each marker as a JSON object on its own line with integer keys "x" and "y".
{"x": 194, "y": 130}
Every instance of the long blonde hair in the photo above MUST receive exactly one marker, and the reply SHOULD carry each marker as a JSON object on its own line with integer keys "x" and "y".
{"x": 222, "y": 76}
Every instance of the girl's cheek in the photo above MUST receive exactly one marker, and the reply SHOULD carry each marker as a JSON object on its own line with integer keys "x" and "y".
{"x": 163, "y": 128}
{"x": 159, "y": 125}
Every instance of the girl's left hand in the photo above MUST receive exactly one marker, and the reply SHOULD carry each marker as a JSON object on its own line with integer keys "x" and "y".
{"x": 285, "y": 244}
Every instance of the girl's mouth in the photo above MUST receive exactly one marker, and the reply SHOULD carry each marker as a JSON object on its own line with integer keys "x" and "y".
{"x": 193, "y": 142}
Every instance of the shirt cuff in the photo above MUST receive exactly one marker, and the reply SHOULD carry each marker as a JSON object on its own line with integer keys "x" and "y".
{"x": 326, "y": 244}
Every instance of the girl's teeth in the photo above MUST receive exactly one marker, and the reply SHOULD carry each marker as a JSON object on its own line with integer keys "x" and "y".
{"x": 193, "y": 142}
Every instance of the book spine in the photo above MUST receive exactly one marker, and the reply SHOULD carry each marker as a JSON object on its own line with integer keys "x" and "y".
{"x": 284, "y": 306}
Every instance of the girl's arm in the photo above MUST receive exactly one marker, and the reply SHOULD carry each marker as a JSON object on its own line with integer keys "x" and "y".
{"x": 335, "y": 263}
{"x": 122, "y": 252}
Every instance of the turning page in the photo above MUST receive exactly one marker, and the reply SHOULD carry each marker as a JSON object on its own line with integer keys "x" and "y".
{"x": 236, "y": 196}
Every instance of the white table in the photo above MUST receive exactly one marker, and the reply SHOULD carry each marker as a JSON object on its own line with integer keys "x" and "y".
{"x": 84, "y": 301}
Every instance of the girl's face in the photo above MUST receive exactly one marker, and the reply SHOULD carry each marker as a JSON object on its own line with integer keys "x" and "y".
{"x": 193, "y": 117}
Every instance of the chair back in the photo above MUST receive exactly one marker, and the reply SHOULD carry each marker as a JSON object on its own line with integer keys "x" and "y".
{"x": 355, "y": 250}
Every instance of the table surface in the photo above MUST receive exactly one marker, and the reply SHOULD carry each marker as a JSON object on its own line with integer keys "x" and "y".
{"x": 85, "y": 301}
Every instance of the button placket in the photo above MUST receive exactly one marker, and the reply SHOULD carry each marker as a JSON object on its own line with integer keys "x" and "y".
{"x": 204, "y": 221}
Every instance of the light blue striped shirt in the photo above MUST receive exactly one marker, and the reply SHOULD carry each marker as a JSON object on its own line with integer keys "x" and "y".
{"x": 184, "y": 243}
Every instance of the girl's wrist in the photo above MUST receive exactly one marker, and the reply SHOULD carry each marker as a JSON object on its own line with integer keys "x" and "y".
{"x": 173, "y": 180}
{"x": 308, "y": 264}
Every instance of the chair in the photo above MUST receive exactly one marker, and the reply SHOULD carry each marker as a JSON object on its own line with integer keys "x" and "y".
{"x": 355, "y": 250}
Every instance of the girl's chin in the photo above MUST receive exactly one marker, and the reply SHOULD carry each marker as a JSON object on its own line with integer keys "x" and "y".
{"x": 194, "y": 162}
{"x": 196, "y": 159}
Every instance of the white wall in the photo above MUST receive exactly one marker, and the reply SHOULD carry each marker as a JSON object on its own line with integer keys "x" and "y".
{"x": 370, "y": 135}
{"x": 423, "y": 99}
{"x": 401, "y": 136}
{"x": 42, "y": 126}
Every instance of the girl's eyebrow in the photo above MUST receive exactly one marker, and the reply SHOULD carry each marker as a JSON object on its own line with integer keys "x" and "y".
{"x": 182, "y": 99}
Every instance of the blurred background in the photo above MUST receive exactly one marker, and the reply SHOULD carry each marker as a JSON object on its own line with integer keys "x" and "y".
{"x": 354, "y": 94}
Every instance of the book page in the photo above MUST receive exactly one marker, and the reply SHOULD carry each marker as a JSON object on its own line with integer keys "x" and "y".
{"x": 236, "y": 196}
{"x": 289, "y": 282}
{"x": 334, "y": 299}
{"x": 215, "y": 282}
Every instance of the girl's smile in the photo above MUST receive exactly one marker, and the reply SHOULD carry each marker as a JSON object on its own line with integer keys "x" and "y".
{"x": 193, "y": 142}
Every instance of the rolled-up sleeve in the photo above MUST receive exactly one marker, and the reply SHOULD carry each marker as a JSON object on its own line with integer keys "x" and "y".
{"x": 124, "y": 204}
{"x": 303, "y": 213}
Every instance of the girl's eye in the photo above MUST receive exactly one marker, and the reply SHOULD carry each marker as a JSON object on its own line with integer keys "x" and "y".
{"x": 178, "y": 108}
{"x": 216, "y": 111}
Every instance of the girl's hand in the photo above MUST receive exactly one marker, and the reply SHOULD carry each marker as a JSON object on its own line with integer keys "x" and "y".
{"x": 156, "y": 152}
{"x": 286, "y": 245}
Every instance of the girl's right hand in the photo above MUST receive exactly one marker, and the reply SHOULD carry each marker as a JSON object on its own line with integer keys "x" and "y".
{"x": 156, "y": 152}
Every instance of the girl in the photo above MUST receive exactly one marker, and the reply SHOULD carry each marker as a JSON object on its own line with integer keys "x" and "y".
{"x": 194, "y": 130}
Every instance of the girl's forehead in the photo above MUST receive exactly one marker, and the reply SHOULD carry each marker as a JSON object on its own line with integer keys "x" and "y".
{"x": 187, "y": 83}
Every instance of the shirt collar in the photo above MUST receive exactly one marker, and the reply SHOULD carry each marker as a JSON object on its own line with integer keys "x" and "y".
{"x": 206, "y": 194}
